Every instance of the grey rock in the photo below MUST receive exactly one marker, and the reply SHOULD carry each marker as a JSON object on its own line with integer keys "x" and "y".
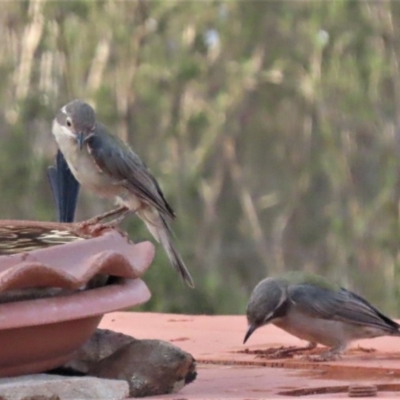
{"x": 151, "y": 367}
{"x": 101, "y": 345}
{"x": 52, "y": 387}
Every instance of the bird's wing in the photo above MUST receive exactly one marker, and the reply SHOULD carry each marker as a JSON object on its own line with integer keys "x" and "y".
{"x": 374, "y": 311}
{"x": 115, "y": 158}
{"x": 341, "y": 305}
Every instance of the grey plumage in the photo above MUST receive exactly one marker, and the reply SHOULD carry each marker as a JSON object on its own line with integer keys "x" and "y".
{"x": 310, "y": 308}
{"x": 106, "y": 165}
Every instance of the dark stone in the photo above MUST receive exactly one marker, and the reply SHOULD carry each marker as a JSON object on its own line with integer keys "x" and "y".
{"x": 151, "y": 367}
{"x": 102, "y": 344}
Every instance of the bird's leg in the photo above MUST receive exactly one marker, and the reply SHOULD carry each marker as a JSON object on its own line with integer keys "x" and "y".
{"x": 119, "y": 212}
{"x": 94, "y": 226}
{"x": 310, "y": 346}
{"x": 119, "y": 218}
{"x": 330, "y": 355}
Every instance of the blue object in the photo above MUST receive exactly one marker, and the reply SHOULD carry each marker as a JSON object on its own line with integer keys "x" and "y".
{"x": 65, "y": 189}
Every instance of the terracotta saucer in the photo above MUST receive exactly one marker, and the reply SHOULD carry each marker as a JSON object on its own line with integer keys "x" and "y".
{"x": 42, "y": 333}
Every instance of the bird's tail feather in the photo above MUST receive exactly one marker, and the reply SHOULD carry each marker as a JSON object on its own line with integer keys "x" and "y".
{"x": 160, "y": 229}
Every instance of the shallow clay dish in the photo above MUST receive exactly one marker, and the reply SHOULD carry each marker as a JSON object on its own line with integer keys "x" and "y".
{"x": 40, "y": 334}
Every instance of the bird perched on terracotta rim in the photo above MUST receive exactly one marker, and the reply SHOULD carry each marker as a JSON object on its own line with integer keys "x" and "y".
{"x": 103, "y": 163}
{"x": 311, "y": 308}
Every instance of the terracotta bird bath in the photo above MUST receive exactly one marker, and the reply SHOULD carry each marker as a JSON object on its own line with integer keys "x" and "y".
{"x": 53, "y": 298}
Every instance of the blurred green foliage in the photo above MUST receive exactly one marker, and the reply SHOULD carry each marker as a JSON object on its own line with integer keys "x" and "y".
{"x": 272, "y": 126}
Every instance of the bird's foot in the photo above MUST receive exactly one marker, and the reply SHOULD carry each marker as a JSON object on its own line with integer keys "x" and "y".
{"x": 292, "y": 350}
{"x": 283, "y": 351}
{"x": 330, "y": 355}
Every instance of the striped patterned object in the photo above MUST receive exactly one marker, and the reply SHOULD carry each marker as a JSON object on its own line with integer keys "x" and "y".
{"x": 18, "y": 238}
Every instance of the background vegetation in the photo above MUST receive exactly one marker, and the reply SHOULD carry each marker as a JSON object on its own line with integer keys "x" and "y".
{"x": 272, "y": 126}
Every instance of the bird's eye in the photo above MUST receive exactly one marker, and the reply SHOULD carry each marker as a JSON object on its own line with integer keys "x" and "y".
{"x": 69, "y": 122}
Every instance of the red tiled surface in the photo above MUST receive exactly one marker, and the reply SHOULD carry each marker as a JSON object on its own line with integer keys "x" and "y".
{"x": 223, "y": 373}
{"x": 73, "y": 264}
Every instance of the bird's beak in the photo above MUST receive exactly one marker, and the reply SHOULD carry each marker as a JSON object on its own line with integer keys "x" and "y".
{"x": 249, "y": 332}
{"x": 81, "y": 139}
